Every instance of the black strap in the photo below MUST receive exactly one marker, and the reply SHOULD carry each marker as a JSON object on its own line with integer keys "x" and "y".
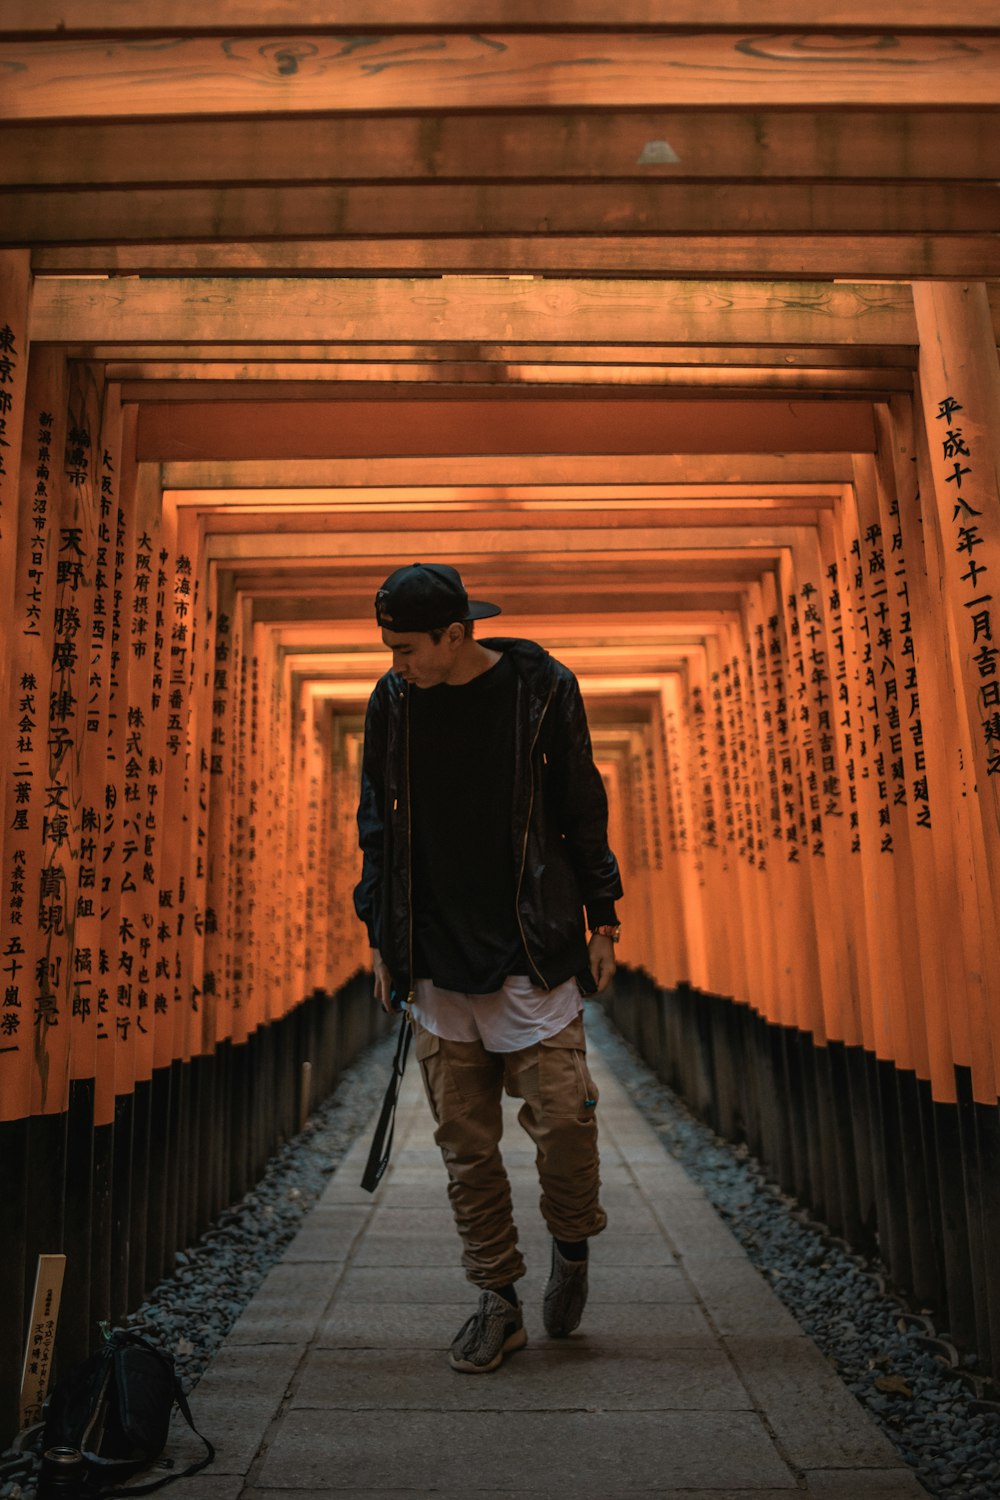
{"x": 378, "y": 1156}
{"x": 125, "y": 1489}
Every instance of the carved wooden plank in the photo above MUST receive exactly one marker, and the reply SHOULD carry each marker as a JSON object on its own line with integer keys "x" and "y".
{"x": 893, "y": 256}
{"x": 601, "y": 146}
{"x": 262, "y": 310}
{"x": 661, "y": 208}
{"x": 290, "y": 74}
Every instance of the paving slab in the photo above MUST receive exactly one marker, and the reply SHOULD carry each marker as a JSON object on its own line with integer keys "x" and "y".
{"x": 288, "y": 1306}
{"x": 603, "y": 1450}
{"x": 862, "y": 1484}
{"x": 550, "y": 1375}
{"x": 534, "y": 1493}
{"x": 688, "y": 1377}
{"x": 818, "y": 1421}
{"x": 234, "y": 1404}
{"x": 637, "y": 1328}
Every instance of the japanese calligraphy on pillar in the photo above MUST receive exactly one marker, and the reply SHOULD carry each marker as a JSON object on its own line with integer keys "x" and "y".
{"x": 86, "y": 958}
{"x": 74, "y": 555}
{"x": 906, "y": 730}
{"x": 30, "y": 653}
{"x": 703, "y": 765}
{"x": 956, "y": 459}
{"x": 788, "y": 831}
{"x": 719, "y": 686}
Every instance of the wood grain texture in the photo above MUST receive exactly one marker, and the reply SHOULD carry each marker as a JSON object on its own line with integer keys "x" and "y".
{"x": 601, "y": 145}
{"x": 262, "y": 310}
{"x": 122, "y": 17}
{"x": 173, "y": 381}
{"x": 718, "y": 470}
{"x": 740, "y": 256}
{"x": 429, "y": 428}
{"x": 550, "y": 356}
{"x": 296, "y": 73}
{"x": 241, "y": 213}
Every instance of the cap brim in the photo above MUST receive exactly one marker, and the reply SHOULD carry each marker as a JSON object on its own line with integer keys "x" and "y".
{"x": 479, "y": 610}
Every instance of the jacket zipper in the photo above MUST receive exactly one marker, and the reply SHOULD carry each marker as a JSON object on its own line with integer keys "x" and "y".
{"x": 524, "y": 846}
{"x": 409, "y": 852}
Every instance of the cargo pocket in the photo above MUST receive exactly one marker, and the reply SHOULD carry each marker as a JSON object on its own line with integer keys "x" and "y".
{"x": 565, "y": 1083}
{"x": 427, "y": 1047}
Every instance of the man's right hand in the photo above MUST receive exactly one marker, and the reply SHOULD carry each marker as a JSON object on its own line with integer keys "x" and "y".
{"x": 383, "y": 981}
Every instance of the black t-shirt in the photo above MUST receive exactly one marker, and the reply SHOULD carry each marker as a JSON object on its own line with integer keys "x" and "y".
{"x": 466, "y": 935}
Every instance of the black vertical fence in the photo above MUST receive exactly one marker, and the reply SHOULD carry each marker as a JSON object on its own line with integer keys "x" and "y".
{"x": 859, "y": 1142}
{"x": 120, "y": 1200}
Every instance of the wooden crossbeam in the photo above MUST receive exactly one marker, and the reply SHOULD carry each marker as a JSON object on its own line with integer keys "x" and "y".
{"x": 175, "y": 381}
{"x": 104, "y": 78}
{"x": 60, "y": 18}
{"x": 638, "y": 550}
{"x": 316, "y": 310}
{"x": 855, "y": 256}
{"x": 430, "y": 427}
{"x": 232, "y": 521}
{"x": 553, "y": 357}
{"x": 530, "y": 500}
{"x": 920, "y": 146}
{"x": 526, "y": 209}
{"x": 718, "y": 470}
{"x": 299, "y": 602}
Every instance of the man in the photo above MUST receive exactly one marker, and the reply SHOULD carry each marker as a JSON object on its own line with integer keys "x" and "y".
{"x": 483, "y": 822}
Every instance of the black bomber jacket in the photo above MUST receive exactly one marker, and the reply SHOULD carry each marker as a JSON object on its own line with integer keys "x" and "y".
{"x": 559, "y": 823}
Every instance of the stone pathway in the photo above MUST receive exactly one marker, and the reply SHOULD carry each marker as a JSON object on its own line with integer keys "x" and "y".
{"x": 688, "y": 1378}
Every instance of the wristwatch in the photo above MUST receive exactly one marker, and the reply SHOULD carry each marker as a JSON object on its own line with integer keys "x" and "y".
{"x": 612, "y": 930}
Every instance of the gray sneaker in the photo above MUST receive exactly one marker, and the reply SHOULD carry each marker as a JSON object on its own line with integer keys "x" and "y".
{"x": 495, "y": 1329}
{"x": 565, "y": 1295}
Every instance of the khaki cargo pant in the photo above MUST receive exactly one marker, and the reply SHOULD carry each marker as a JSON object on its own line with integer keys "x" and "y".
{"x": 465, "y": 1085}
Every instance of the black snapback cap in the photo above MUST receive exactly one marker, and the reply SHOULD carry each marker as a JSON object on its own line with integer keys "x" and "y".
{"x": 427, "y": 596}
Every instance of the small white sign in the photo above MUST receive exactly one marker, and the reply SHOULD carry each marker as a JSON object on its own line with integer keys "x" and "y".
{"x": 41, "y": 1337}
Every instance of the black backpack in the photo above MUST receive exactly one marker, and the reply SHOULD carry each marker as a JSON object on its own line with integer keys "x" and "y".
{"x": 115, "y": 1408}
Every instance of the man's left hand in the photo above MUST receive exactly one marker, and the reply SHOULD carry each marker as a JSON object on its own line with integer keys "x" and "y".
{"x": 601, "y": 952}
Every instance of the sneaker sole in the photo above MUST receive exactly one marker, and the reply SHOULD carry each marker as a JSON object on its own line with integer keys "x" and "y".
{"x": 516, "y": 1340}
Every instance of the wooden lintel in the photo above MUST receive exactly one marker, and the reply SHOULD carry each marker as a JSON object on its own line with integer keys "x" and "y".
{"x": 892, "y": 257}
{"x": 601, "y": 146}
{"x": 294, "y": 604}
{"x": 227, "y": 521}
{"x": 428, "y": 427}
{"x": 175, "y": 381}
{"x": 106, "y": 78}
{"x": 529, "y": 499}
{"x": 316, "y": 310}
{"x": 364, "y": 212}
{"x": 551, "y": 356}
{"x": 63, "y": 18}
{"x": 514, "y": 469}
{"x": 680, "y": 554}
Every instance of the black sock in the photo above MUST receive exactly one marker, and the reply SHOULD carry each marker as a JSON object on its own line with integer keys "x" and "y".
{"x": 572, "y": 1249}
{"x": 507, "y": 1293}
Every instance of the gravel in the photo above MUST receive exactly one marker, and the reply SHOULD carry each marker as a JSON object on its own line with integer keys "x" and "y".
{"x": 909, "y": 1380}
{"x": 888, "y": 1355}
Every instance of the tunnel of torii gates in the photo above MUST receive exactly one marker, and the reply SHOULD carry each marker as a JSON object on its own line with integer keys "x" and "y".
{"x": 679, "y": 340}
